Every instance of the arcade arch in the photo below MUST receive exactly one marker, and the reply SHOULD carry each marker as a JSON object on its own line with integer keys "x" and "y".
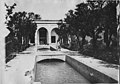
{"x": 54, "y": 35}
{"x": 42, "y": 36}
{"x": 48, "y": 27}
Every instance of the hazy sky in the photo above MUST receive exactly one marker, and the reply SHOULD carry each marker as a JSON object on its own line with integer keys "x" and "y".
{"x": 48, "y": 9}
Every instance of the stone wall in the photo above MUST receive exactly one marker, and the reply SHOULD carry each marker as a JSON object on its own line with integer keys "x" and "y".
{"x": 89, "y": 73}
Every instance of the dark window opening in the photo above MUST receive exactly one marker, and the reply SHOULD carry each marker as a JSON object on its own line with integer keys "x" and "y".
{"x": 43, "y": 36}
{"x": 53, "y": 39}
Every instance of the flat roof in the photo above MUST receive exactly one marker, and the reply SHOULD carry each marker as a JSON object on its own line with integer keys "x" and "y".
{"x": 47, "y": 21}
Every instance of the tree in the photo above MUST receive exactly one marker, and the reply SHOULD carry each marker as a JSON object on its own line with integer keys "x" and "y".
{"x": 21, "y": 25}
{"x": 82, "y": 14}
{"x": 107, "y": 20}
{"x": 110, "y": 26}
{"x": 9, "y": 14}
{"x": 95, "y": 20}
{"x": 62, "y": 32}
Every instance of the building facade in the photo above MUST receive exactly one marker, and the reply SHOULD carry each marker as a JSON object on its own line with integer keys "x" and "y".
{"x": 45, "y": 33}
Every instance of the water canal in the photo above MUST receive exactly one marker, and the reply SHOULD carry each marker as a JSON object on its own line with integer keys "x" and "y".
{"x": 57, "y": 72}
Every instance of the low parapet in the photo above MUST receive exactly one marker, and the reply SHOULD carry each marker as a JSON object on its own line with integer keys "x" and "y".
{"x": 47, "y": 21}
{"x": 40, "y": 58}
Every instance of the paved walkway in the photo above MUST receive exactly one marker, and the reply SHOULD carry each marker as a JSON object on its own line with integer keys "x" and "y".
{"x": 16, "y": 68}
{"x": 24, "y": 61}
{"x": 110, "y": 70}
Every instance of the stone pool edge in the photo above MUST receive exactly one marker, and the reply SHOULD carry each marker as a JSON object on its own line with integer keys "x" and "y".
{"x": 94, "y": 76}
{"x": 89, "y": 73}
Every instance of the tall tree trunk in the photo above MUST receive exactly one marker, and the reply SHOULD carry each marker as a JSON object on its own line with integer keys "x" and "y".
{"x": 65, "y": 40}
{"x": 83, "y": 40}
{"x": 19, "y": 42}
{"x": 69, "y": 41}
{"x": 27, "y": 41}
{"x": 107, "y": 38}
{"x": 94, "y": 40}
{"x": 32, "y": 38}
{"x": 78, "y": 42}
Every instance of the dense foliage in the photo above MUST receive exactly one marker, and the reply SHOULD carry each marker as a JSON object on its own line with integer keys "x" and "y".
{"x": 22, "y": 30}
{"x": 95, "y": 19}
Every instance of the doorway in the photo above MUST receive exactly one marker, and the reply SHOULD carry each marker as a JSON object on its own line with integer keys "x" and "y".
{"x": 42, "y": 36}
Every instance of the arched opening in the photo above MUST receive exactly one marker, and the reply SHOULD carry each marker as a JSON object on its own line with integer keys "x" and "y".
{"x": 51, "y": 60}
{"x": 43, "y": 36}
{"x": 54, "y": 35}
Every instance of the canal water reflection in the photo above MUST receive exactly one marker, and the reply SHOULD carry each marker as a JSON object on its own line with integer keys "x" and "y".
{"x": 57, "y": 72}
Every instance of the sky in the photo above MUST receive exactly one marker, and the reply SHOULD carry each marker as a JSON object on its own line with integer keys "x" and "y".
{"x": 48, "y": 9}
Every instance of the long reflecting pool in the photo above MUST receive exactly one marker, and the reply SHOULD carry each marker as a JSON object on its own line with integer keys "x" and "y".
{"x": 57, "y": 72}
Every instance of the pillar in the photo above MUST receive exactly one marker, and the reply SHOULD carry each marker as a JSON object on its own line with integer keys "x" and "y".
{"x": 49, "y": 36}
{"x": 38, "y": 42}
{"x": 37, "y": 37}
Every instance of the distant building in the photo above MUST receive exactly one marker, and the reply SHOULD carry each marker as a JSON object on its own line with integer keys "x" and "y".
{"x": 45, "y": 33}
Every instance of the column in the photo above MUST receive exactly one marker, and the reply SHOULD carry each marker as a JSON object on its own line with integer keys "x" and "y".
{"x": 38, "y": 43}
{"x": 49, "y": 37}
{"x": 37, "y": 37}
